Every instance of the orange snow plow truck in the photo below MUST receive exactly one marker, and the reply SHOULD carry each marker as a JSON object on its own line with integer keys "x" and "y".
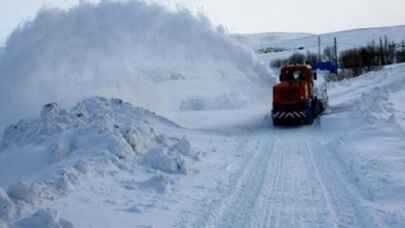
{"x": 295, "y": 99}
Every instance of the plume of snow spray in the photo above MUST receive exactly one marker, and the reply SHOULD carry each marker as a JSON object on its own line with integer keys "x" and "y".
{"x": 113, "y": 49}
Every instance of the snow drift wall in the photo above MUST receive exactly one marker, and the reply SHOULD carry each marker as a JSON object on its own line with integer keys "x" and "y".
{"x": 131, "y": 50}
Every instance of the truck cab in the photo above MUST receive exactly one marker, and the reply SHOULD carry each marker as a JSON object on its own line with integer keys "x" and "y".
{"x": 294, "y": 100}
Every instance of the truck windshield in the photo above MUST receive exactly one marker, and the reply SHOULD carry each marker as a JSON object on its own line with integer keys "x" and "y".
{"x": 294, "y": 75}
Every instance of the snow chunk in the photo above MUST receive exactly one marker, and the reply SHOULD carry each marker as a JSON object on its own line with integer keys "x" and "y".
{"x": 44, "y": 219}
{"x": 140, "y": 139}
{"x": 159, "y": 183}
{"x": 60, "y": 150}
{"x": 66, "y": 182}
{"x": 183, "y": 147}
{"x": 170, "y": 155}
{"x": 22, "y": 192}
{"x": 164, "y": 160}
{"x": 56, "y": 119}
{"x": 7, "y": 208}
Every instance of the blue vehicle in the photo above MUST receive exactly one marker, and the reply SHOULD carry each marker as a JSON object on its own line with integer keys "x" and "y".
{"x": 327, "y": 65}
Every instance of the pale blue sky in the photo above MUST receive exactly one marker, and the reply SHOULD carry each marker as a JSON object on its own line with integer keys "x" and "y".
{"x": 247, "y": 16}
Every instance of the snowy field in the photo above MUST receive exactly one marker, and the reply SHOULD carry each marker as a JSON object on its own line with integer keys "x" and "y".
{"x": 187, "y": 141}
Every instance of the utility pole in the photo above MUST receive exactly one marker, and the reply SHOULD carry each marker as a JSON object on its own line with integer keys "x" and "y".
{"x": 336, "y": 52}
{"x": 319, "y": 49}
{"x": 386, "y": 50}
{"x": 382, "y": 59}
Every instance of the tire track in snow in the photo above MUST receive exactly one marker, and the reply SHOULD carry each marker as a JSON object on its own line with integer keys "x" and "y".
{"x": 350, "y": 208}
{"x": 277, "y": 189}
{"x": 290, "y": 181}
{"x": 264, "y": 208}
{"x": 205, "y": 209}
{"x": 236, "y": 209}
{"x": 325, "y": 193}
{"x": 269, "y": 211}
{"x": 291, "y": 197}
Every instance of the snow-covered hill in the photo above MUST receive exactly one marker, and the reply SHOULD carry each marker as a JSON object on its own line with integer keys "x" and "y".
{"x": 141, "y": 52}
{"x": 345, "y": 39}
{"x": 264, "y": 40}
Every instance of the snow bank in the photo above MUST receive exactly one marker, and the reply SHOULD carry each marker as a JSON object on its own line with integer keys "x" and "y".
{"x": 94, "y": 128}
{"x": 62, "y": 132}
{"x": 375, "y": 105}
{"x": 368, "y": 140}
{"x": 51, "y": 156}
{"x": 136, "y": 51}
{"x": 372, "y": 94}
{"x": 397, "y": 101}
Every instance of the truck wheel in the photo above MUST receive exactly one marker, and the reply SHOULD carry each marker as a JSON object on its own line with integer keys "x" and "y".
{"x": 309, "y": 120}
{"x": 276, "y": 122}
{"x": 321, "y": 107}
{"x": 317, "y": 108}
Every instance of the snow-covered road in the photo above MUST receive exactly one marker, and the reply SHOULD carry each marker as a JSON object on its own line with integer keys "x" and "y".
{"x": 340, "y": 172}
{"x": 287, "y": 178}
{"x": 239, "y": 171}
